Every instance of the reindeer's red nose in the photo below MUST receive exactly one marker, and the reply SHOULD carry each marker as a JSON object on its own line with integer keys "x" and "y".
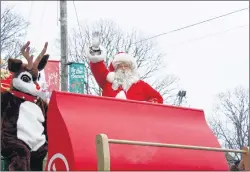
{"x": 38, "y": 86}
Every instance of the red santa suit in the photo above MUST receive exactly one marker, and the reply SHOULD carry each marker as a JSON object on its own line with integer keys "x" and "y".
{"x": 137, "y": 90}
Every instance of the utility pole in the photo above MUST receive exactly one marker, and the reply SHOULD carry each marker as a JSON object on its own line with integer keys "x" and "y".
{"x": 64, "y": 45}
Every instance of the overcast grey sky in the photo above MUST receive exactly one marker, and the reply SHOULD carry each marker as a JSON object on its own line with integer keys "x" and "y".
{"x": 208, "y": 58}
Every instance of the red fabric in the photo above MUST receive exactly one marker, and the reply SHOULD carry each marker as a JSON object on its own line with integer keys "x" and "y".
{"x": 111, "y": 68}
{"x": 128, "y": 120}
{"x": 24, "y": 96}
{"x": 52, "y": 75}
{"x": 6, "y": 83}
{"x": 100, "y": 73}
{"x": 140, "y": 91}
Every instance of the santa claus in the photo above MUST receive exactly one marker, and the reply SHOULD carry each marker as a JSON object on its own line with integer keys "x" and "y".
{"x": 121, "y": 80}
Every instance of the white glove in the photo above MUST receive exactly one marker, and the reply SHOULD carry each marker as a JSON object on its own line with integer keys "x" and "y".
{"x": 96, "y": 41}
{"x": 95, "y": 57}
{"x": 95, "y": 53}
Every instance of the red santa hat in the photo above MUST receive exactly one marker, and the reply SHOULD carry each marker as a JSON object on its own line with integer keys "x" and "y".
{"x": 123, "y": 57}
{"x": 120, "y": 57}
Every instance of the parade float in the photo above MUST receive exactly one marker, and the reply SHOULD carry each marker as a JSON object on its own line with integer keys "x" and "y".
{"x": 98, "y": 133}
{"x": 141, "y": 136}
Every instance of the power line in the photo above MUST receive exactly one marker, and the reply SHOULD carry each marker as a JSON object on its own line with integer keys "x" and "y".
{"x": 87, "y": 75}
{"x": 208, "y": 35}
{"x": 197, "y": 38}
{"x": 78, "y": 23}
{"x": 41, "y": 22}
{"x": 175, "y": 30}
{"x": 57, "y": 18}
{"x": 30, "y": 11}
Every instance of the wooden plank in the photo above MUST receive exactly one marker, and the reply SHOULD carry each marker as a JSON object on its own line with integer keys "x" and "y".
{"x": 103, "y": 154}
{"x": 129, "y": 142}
{"x": 246, "y": 159}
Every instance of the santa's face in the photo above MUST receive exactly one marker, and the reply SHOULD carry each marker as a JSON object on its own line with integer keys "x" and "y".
{"x": 125, "y": 67}
{"x": 124, "y": 76}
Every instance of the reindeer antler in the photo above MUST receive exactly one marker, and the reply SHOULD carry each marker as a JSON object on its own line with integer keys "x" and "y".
{"x": 38, "y": 59}
{"x": 25, "y": 50}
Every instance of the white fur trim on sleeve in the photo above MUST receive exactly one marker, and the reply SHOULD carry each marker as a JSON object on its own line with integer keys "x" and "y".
{"x": 110, "y": 77}
{"x": 95, "y": 58}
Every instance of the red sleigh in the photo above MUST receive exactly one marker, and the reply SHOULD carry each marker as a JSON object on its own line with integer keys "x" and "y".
{"x": 75, "y": 120}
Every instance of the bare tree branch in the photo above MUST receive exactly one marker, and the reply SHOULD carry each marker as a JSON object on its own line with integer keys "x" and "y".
{"x": 114, "y": 40}
{"x": 13, "y": 28}
{"x": 230, "y": 121}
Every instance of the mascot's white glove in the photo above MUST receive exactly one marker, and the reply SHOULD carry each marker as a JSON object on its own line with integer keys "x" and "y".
{"x": 95, "y": 53}
{"x": 44, "y": 93}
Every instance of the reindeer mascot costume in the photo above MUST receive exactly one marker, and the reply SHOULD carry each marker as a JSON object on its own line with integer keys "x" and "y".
{"x": 23, "y": 114}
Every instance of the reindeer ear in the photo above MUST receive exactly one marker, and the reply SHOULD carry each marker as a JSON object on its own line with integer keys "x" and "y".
{"x": 43, "y": 62}
{"x": 14, "y": 65}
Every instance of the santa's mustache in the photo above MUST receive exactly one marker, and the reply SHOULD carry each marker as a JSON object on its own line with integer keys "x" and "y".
{"x": 124, "y": 78}
{"x": 123, "y": 74}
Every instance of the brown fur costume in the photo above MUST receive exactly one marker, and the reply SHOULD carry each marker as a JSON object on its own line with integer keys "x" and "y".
{"x": 23, "y": 116}
{"x": 21, "y": 157}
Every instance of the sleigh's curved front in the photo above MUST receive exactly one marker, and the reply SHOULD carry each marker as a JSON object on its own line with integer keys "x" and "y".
{"x": 74, "y": 121}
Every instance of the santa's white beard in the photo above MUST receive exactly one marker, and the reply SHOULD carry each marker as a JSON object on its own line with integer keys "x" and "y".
{"x": 124, "y": 79}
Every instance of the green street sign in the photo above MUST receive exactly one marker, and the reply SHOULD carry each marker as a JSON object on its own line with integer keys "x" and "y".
{"x": 76, "y": 78}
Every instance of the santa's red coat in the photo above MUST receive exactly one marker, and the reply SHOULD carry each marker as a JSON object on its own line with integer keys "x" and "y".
{"x": 140, "y": 91}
